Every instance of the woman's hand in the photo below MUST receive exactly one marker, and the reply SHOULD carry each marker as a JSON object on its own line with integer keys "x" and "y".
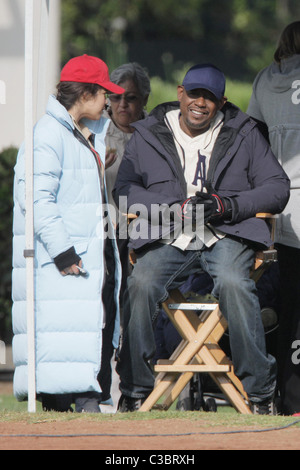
{"x": 110, "y": 157}
{"x": 72, "y": 270}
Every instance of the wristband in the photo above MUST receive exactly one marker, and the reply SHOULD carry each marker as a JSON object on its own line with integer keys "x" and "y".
{"x": 66, "y": 259}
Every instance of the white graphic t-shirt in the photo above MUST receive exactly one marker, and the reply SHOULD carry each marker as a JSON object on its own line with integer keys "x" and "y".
{"x": 195, "y": 154}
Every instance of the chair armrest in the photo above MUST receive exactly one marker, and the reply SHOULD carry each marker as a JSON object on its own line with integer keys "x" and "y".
{"x": 271, "y": 220}
{"x": 265, "y": 215}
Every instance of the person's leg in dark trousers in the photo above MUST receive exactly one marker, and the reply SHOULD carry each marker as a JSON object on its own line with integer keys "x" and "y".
{"x": 289, "y": 329}
{"x": 108, "y": 293}
{"x": 162, "y": 268}
{"x": 125, "y": 264}
{"x": 156, "y": 270}
{"x": 229, "y": 262}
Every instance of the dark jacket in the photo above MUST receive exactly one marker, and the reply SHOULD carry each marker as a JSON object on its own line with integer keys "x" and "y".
{"x": 242, "y": 167}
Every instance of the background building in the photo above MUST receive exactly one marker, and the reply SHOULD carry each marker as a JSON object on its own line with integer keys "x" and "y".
{"x": 12, "y": 61}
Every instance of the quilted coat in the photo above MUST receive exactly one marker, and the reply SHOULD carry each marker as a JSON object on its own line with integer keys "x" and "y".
{"x": 67, "y": 212}
{"x": 242, "y": 167}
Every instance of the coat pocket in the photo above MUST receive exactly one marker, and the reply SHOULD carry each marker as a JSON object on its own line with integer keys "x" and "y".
{"x": 81, "y": 247}
{"x": 160, "y": 184}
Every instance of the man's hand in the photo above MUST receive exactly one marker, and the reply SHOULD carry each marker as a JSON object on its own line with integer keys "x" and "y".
{"x": 215, "y": 207}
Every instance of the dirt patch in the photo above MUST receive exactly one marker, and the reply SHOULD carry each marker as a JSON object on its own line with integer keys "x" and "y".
{"x": 180, "y": 436}
{"x": 177, "y": 435}
{"x": 6, "y": 388}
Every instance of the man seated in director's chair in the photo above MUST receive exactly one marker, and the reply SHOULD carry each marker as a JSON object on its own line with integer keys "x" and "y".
{"x": 208, "y": 159}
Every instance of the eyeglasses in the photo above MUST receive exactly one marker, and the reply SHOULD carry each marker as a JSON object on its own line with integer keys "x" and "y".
{"x": 129, "y": 98}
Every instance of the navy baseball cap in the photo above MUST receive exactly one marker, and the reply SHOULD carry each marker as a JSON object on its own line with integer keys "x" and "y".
{"x": 206, "y": 76}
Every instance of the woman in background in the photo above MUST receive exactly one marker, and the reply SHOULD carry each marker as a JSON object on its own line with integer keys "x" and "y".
{"x": 123, "y": 110}
{"x": 275, "y": 104}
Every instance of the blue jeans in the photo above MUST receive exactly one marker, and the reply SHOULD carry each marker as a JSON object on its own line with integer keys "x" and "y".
{"x": 161, "y": 268}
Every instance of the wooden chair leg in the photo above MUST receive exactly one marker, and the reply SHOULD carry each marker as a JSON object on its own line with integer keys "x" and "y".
{"x": 195, "y": 342}
{"x": 212, "y": 339}
{"x": 227, "y": 382}
{"x": 200, "y": 346}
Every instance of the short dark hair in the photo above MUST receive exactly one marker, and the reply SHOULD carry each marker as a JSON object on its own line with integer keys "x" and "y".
{"x": 68, "y": 93}
{"x": 289, "y": 42}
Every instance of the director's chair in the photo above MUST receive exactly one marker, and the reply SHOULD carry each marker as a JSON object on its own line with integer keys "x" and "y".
{"x": 199, "y": 351}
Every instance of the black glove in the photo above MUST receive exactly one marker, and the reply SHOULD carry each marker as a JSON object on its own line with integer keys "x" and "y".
{"x": 66, "y": 259}
{"x": 215, "y": 207}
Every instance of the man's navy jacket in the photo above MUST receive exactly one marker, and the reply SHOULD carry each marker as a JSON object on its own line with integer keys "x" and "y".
{"x": 242, "y": 167}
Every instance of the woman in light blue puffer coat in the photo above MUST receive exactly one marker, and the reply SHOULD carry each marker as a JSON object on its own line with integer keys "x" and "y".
{"x": 70, "y": 232}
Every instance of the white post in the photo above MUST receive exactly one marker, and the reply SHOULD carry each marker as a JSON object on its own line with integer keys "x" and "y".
{"x": 42, "y": 58}
{"x": 29, "y": 249}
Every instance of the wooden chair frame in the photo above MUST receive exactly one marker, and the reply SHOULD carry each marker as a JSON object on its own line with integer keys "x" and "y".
{"x": 199, "y": 351}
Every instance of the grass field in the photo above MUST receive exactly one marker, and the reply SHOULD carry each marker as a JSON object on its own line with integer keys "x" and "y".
{"x": 12, "y": 411}
{"x": 156, "y": 430}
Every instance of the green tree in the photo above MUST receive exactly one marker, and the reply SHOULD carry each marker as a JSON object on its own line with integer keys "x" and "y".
{"x": 7, "y": 162}
{"x": 239, "y": 35}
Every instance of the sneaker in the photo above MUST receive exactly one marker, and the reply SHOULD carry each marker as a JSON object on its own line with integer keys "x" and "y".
{"x": 86, "y": 404}
{"x": 266, "y": 407}
{"x": 130, "y": 404}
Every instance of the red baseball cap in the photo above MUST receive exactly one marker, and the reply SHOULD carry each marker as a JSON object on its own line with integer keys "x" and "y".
{"x": 88, "y": 69}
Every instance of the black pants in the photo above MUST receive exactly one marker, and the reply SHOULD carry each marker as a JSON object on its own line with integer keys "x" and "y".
{"x": 105, "y": 374}
{"x": 289, "y": 331}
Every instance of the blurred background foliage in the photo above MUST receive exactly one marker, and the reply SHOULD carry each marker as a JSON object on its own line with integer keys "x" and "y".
{"x": 7, "y": 162}
{"x": 237, "y": 35}
{"x": 166, "y": 37}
